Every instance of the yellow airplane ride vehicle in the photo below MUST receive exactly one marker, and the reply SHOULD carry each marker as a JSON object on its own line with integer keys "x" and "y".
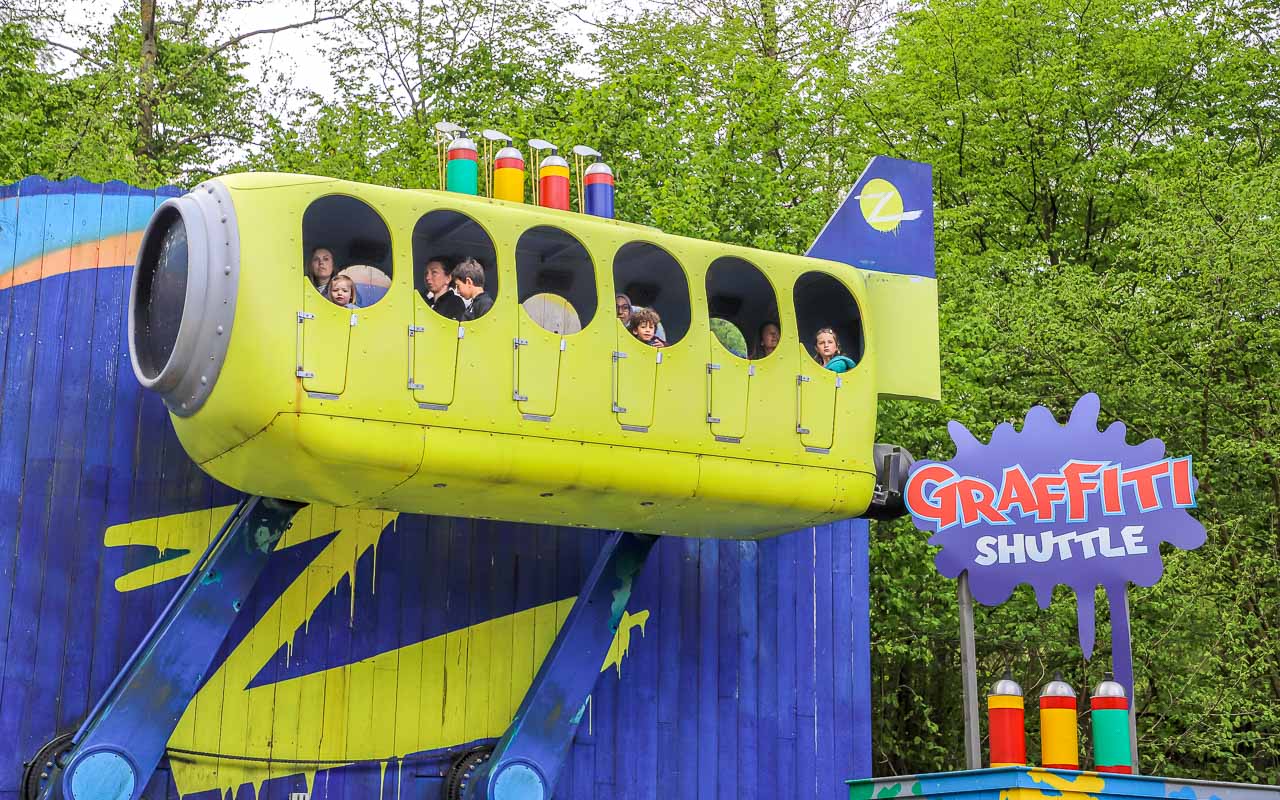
{"x": 546, "y": 409}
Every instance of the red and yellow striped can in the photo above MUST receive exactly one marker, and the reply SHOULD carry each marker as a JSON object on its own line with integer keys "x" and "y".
{"x": 1006, "y": 717}
{"x": 553, "y": 183}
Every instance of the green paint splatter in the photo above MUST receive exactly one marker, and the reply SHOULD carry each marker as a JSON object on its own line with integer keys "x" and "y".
{"x": 860, "y": 791}
{"x": 890, "y": 791}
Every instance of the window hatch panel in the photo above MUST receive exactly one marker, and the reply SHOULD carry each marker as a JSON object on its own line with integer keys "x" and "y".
{"x": 433, "y": 356}
{"x": 816, "y": 394}
{"x": 536, "y": 354}
{"x": 635, "y": 380}
{"x": 324, "y": 338}
{"x": 728, "y": 384}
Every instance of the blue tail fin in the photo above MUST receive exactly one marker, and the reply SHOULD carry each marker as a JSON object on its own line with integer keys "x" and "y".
{"x": 886, "y": 222}
{"x": 884, "y": 228}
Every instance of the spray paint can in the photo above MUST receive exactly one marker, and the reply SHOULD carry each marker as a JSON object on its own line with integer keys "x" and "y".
{"x": 1006, "y": 718}
{"x": 553, "y": 182}
{"x": 463, "y": 171}
{"x": 1109, "y": 714}
{"x": 1059, "y": 741}
{"x": 508, "y": 175}
{"x": 598, "y": 185}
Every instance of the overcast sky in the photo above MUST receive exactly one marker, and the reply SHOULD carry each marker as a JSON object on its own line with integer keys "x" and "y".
{"x": 301, "y": 49}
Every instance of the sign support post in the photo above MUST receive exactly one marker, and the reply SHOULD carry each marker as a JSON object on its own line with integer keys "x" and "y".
{"x": 969, "y": 674}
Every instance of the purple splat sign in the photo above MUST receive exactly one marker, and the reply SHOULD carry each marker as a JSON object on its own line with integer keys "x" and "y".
{"x": 1056, "y": 504}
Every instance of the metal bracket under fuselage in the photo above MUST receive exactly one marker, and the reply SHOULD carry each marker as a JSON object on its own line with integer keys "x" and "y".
{"x": 118, "y": 746}
{"x": 530, "y": 755}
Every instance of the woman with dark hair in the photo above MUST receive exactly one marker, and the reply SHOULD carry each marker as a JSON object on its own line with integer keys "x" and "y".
{"x": 827, "y": 345}
{"x": 623, "y": 303}
{"x": 767, "y": 339}
{"x": 320, "y": 269}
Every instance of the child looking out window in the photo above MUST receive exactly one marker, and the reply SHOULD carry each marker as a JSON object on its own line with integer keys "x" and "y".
{"x": 342, "y": 291}
{"x": 828, "y": 347}
{"x": 644, "y": 326}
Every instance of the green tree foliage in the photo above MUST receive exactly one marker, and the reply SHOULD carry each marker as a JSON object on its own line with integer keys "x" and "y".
{"x": 156, "y": 94}
{"x": 30, "y": 105}
{"x": 1107, "y": 190}
{"x": 1103, "y": 226}
{"x": 403, "y": 65}
{"x": 719, "y": 119}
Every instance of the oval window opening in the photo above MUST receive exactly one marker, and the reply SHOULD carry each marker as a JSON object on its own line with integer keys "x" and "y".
{"x": 742, "y": 307}
{"x": 646, "y": 276}
{"x": 162, "y": 292}
{"x": 555, "y": 280}
{"x": 824, "y": 302}
{"x": 346, "y": 251}
{"x": 443, "y": 241}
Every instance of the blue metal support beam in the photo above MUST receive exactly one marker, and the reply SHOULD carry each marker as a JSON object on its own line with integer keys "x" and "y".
{"x": 119, "y": 745}
{"x": 528, "y": 759}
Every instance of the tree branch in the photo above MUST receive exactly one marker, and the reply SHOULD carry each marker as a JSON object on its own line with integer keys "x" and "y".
{"x": 74, "y": 50}
{"x": 315, "y": 20}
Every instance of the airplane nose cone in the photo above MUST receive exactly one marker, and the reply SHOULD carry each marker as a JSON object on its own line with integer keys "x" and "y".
{"x": 182, "y": 300}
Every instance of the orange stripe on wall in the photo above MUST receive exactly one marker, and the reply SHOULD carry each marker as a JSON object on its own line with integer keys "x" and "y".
{"x": 113, "y": 251}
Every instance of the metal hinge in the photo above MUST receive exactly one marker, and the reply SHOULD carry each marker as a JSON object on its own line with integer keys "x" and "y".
{"x": 354, "y": 319}
{"x": 415, "y": 329}
{"x": 461, "y": 331}
{"x": 712, "y": 420}
{"x": 519, "y": 397}
{"x": 302, "y": 373}
{"x": 617, "y": 409}
{"x": 302, "y": 315}
{"x": 801, "y": 429}
{"x": 518, "y": 343}
{"x": 802, "y": 379}
{"x": 712, "y": 368}
{"x": 618, "y": 356}
{"x": 413, "y": 385}
{"x": 564, "y": 345}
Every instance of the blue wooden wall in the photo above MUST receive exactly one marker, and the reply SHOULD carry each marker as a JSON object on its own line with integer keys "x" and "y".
{"x": 746, "y": 671}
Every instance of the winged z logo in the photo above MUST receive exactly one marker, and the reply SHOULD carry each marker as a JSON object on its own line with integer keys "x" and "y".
{"x": 882, "y": 206}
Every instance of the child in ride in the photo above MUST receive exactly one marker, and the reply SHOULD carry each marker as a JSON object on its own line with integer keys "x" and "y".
{"x": 342, "y": 291}
{"x": 644, "y": 326}
{"x": 828, "y": 346}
